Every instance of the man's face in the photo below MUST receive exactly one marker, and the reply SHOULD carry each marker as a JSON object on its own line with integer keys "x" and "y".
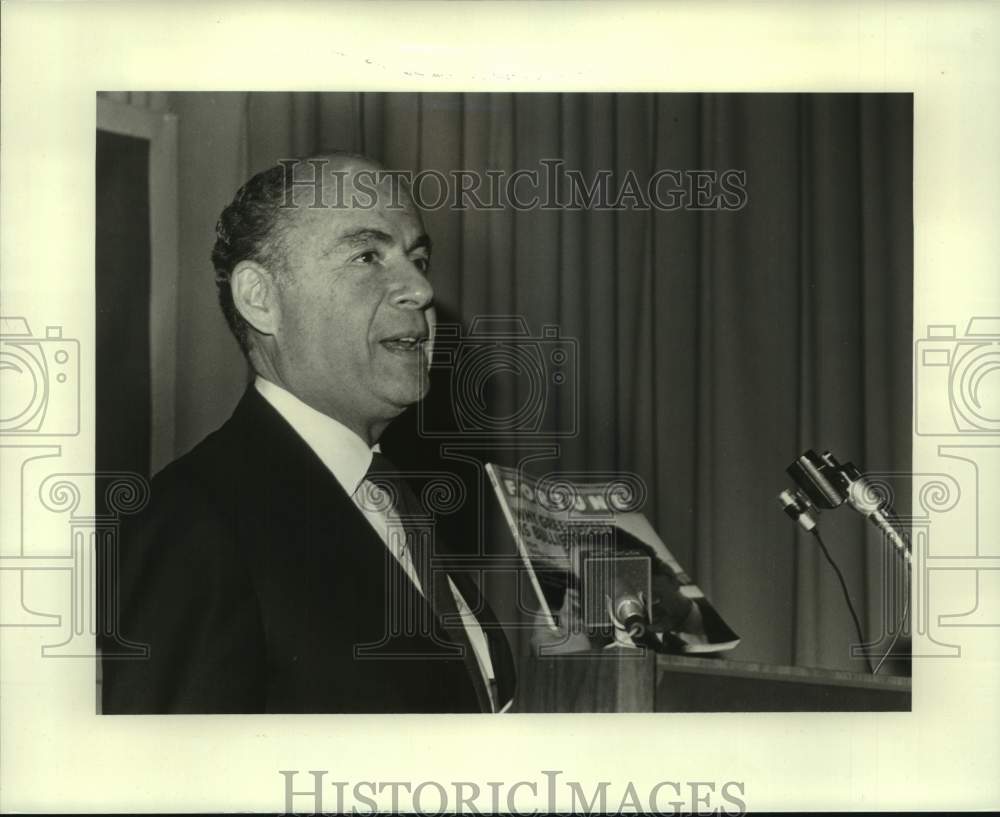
{"x": 356, "y": 309}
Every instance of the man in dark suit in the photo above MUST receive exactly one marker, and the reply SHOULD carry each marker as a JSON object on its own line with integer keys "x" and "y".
{"x": 278, "y": 567}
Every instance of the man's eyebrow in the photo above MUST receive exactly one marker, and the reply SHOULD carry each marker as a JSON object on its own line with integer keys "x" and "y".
{"x": 422, "y": 242}
{"x": 370, "y": 235}
{"x": 366, "y": 235}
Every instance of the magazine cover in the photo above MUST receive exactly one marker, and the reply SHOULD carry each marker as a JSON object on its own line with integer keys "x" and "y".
{"x": 583, "y": 543}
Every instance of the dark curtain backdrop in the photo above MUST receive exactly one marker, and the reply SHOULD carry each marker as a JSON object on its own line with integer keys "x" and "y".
{"x": 714, "y": 346}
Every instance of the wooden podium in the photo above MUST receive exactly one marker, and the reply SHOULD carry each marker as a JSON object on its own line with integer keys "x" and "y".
{"x": 628, "y": 680}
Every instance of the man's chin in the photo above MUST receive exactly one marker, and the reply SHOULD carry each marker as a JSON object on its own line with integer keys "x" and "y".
{"x": 404, "y": 395}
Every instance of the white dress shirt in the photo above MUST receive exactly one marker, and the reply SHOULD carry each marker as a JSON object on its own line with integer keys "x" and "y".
{"x": 348, "y": 458}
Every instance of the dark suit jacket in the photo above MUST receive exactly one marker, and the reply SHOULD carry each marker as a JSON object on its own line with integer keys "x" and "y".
{"x": 260, "y": 587}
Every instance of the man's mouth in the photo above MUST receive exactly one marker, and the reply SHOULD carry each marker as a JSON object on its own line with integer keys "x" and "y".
{"x": 404, "y": 344}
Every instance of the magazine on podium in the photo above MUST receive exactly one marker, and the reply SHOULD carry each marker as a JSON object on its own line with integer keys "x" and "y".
{"x": 559, "y": 525}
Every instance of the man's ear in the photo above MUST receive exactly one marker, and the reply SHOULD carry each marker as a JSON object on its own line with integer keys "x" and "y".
{"x": 255, "y": 295}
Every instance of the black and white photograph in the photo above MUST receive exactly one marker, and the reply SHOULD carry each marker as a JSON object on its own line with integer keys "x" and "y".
{"x": 391, "y": 314}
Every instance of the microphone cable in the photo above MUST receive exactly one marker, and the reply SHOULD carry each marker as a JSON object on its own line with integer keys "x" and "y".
{"x": 895, "y": 635}
{"x": 847, "y": 597}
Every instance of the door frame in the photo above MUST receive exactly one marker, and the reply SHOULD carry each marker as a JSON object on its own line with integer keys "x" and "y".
{"x": 159, "y": 128}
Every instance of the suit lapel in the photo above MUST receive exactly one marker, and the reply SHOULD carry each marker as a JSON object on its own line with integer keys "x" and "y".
{"x": 500, "y": 653}
{"x": 302, "y": 502}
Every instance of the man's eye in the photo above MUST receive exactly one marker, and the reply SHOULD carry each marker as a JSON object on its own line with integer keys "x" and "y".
{"x": 368, "y": 257}
{"x": 422, "y": 264}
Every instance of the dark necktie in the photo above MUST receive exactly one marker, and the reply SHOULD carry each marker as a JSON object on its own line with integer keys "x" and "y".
{"x": 418, "y": 527}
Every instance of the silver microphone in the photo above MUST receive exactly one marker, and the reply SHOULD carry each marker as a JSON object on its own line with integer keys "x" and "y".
{"x": 798, "y": 507}
{"x": 630, "y": 612}
{"x": 823, "y": 484}
{"x": 874, "y": 507}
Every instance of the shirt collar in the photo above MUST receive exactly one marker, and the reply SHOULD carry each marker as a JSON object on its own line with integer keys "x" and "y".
{"x": 343, "y": 452}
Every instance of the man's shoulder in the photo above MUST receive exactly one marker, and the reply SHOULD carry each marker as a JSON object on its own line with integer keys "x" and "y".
{"x": 251, "y": 447}
{"x": 188, "y": 530}
{"x": 210, "y": 456}
{"x": 205, "y": 475}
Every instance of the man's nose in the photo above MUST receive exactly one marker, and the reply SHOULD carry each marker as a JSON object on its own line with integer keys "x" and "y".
{"x": 411, "y": 289}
